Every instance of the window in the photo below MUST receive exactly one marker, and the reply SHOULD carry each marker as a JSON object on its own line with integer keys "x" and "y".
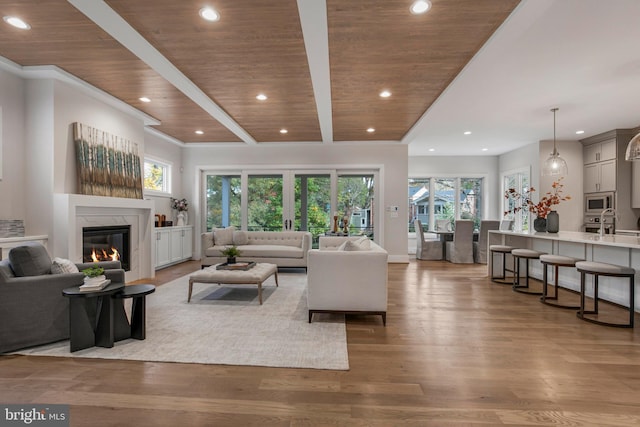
{"x": 157, "y": 176}
{"x": 519, "y": 181}
{"x": 443, "y": 200}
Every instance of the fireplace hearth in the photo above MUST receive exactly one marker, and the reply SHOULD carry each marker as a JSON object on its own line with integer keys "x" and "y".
{"x": 107, "y": 243}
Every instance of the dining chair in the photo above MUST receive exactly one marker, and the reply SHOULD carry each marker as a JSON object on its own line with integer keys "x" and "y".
{"x": 506, "y": 225}
{"x": 460, "y": 250}
{"x": 443, "y": 225}
{"x": 480, "y": 247}
{"x": 426, "y": 249}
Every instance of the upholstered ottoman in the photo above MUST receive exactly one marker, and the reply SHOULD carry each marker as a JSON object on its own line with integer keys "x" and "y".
{"x": 254, "y": 276}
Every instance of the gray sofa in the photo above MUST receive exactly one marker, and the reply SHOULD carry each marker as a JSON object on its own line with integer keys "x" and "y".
{"x": 283, "y": 248}
{"x": 32, "y": 308}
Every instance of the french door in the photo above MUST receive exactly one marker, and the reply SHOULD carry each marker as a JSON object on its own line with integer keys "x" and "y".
{"x": 306, "y": 199}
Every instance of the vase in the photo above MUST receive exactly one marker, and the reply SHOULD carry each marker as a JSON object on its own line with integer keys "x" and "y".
{"x": 553, "y": 222}
{"x": 540, "y": 224}
{"x": 231, "y": 260}
{"x": 182, "y": 219}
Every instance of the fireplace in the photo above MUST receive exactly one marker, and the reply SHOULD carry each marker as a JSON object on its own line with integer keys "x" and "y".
{"x": 106, "y": 244}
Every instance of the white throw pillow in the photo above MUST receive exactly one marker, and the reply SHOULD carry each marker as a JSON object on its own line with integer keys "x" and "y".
{"x": 62, "y": 266}
{"x": 351, "y": 246}
{"x": 223, "y": 236}
{"x": 342, "y": 246}
{"x": 240, "y": 238}
{"x": 363, "y": 243}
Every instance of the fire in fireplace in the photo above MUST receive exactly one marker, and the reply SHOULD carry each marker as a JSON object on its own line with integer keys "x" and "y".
{"x": 106, "y": 243}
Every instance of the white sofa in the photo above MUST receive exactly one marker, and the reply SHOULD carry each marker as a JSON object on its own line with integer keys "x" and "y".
{"x": 283, "y": 248}
{"x": 347, "y": 281}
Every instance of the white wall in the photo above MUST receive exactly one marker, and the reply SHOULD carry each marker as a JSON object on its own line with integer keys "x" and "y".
{"x": 392, "y": 158}
{"x": 12, "y": 185}
{"x": 168, "y": 152}
{"x": 461, "y": 166}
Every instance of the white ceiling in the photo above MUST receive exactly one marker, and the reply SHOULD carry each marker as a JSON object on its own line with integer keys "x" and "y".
{"x": 581, "y": 56}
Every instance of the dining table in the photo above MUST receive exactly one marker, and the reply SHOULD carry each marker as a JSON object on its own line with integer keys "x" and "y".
{"x": 447, "y": 236}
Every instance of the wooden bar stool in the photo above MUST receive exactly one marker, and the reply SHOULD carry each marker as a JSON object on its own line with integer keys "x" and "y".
{"x": 555, "y": 261}
{"x": 527, "y": 255}
{"x": 504, "y": 250}
{"x": 602, "y": 269}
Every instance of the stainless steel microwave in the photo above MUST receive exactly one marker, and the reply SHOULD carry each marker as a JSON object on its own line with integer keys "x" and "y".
{"x": 595, "y": 203}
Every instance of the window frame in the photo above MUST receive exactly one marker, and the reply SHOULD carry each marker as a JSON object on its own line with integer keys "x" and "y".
{"x": 167, "y": 167}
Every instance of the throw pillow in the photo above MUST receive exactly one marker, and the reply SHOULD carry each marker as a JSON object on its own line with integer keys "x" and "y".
{"x": 62, "y": 266}
{"x": 363, "y": 243}
{"x": 351, "y": 246}
{"x": 223, "y": 236}
{"x": 240, "y": 238}
{"x": 342, "y": 246}
{"x": 31, "y": 259}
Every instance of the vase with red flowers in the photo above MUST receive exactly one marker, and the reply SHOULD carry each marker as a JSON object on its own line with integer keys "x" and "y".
{"x": 541, "y": 209}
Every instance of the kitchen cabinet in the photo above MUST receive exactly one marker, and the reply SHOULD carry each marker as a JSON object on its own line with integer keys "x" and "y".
{"x": 600, "y": 176}
{"x": 173, "y": 245}
{"x": 600, "y": 151}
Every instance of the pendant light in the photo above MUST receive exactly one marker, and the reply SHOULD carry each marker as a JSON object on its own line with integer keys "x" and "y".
{"x": 554, "y": 165}
{"x": 633, "y": 149}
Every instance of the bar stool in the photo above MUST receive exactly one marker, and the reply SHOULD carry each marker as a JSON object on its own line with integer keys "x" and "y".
{"x": 504, "y": 250}
{"x": 527, "y": 255}
{"x": 602, "y": 269}
{"x": 555, "y": 261}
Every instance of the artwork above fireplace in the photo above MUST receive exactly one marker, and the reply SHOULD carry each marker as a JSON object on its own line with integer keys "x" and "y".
{"x": 107, "y": 243}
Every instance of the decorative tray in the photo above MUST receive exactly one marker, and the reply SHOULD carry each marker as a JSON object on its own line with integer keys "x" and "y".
{"x": 236, "y": 266}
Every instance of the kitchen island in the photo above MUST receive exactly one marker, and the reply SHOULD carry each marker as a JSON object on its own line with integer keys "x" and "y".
{"x": 613, "y": 249}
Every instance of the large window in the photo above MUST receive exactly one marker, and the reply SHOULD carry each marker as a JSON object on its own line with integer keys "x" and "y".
{"x": 438, "y": 202}
{"x": 157, "y": 176}
{"x": 223, "y": 194}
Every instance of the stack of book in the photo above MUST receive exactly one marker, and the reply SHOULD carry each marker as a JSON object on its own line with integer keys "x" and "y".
{"x": 94, "y": 284}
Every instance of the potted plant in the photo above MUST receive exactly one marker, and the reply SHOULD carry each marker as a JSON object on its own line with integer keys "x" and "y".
{"x": 94, "y": 274}
{"x": 231, "y": 252}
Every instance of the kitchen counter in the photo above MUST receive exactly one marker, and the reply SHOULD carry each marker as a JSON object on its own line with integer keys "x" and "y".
{"x": 628, "y": 232}
{"x": 619, "y": 249}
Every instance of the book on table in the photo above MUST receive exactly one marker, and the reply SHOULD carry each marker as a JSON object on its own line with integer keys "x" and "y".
{"x": 92, "y": 286}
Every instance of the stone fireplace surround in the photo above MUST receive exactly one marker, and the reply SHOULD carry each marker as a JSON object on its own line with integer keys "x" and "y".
{"x": 72, "y": 212}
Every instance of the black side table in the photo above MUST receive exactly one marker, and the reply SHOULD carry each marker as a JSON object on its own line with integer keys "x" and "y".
{"x": 135, "y": 329}
{"x": 91, "y": 317}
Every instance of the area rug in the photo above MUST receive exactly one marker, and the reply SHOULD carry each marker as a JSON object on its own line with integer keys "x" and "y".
{"x": 227, "y": 325}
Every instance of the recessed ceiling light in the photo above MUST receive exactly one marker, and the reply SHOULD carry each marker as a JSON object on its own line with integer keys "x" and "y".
{"x": 420, "y": 6}
{"x": 468, "y": 132}
{"x": 485, "y": 149}
{"x": 209, "y": 14}
{"x": 385, "y": 94}
{"x": 144, "y": 99}
{"x": 16, "y": 22}
{"x": 199, "y": 132}
{"x": 432, "y": 149}
{"x": 371, "y": 130}
{"x": 261, "y": 97}
{"x": 579, "y": 132}
{"x": 283, "y": 131}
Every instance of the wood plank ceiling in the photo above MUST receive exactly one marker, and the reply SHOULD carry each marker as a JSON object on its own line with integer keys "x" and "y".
{"x": 258, "y": 47}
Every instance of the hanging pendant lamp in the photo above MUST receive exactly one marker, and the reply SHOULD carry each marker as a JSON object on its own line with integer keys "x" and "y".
{"x": 555, "y": 165}
{"x": 633, "y": 149}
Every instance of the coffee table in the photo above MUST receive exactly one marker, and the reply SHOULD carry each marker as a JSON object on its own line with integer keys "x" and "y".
{"x": 254, "y": 276}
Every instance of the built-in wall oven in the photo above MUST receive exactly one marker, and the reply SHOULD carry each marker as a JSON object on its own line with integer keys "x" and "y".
{"x": 592, "y": 224}
{"x": 595, "y": 203}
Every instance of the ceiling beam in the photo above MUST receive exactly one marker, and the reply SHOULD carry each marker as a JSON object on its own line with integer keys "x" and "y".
{"x": 315, "y": 31}
{"x": 107, "y": 19}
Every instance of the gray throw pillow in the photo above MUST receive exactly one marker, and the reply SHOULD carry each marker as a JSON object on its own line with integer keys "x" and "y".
{"x": 31, "y": 259}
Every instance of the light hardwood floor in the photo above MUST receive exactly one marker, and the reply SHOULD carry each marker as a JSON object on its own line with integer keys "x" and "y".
{"x": 457, "y": 350}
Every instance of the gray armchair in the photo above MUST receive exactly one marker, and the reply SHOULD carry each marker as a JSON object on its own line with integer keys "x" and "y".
{"x": 32, "y": 308}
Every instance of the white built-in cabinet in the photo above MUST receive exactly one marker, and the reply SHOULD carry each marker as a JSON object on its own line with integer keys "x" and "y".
{"x": 173, "y": 245}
